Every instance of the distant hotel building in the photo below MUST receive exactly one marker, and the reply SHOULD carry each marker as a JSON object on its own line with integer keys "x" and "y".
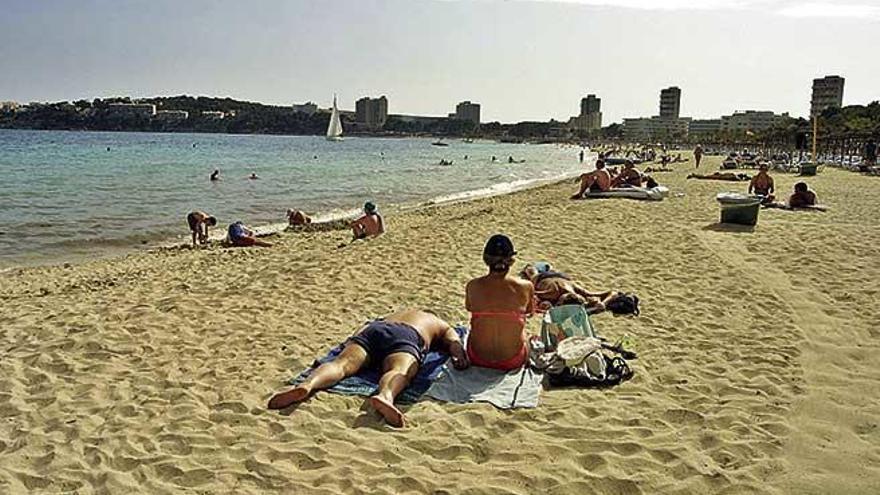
{"x": 373, "y": 112}
{"x": 307, "y": 108}
{"x": 172, "y": 115}
{"x": 468, "y": 111}
{"x": 827, "y": 93}
{"x": 670, "y": 103}
{"x": 133, "y": 109}
{"x": 590, "y": 117}
{"x": 739, "y": 122}
{"x": 667, "y": 125}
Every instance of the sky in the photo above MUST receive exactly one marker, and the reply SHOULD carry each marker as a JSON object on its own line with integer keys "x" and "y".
{"x": 520, "y": 59}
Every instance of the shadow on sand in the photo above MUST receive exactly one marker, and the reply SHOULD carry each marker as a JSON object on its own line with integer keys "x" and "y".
{"x": 730, "y": 227}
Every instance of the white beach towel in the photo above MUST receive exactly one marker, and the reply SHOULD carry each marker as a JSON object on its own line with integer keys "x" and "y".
{"x": 504, "y": 390}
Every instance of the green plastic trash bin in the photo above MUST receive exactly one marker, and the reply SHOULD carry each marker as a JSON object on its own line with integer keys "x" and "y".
{"x": 739, "y": 209}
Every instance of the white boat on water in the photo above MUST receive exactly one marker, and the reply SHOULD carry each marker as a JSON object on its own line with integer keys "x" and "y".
{"x": 334, "y": 129}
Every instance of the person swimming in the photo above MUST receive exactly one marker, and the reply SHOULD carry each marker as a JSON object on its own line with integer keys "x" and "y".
{"x": 499, "y": 304}
{"x": 215, "y": 175}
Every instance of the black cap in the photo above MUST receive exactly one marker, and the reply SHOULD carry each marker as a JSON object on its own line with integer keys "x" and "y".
{"x": 499, "y": 245}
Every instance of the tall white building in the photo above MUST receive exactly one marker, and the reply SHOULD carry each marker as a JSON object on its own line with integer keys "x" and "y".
{"x": 827, "y": 93}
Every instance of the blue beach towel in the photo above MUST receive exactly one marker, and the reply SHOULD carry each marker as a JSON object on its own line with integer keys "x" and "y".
{"x": 366, "y": 382}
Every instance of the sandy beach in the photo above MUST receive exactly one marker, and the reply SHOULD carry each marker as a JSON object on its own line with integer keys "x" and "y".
{"x": 759, "y": 369}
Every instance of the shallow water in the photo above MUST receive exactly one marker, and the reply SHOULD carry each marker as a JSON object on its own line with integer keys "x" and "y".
{"x": 70, "y": 194}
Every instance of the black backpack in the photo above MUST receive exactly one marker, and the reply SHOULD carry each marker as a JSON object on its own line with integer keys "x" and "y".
{"x": 624, "y": 304}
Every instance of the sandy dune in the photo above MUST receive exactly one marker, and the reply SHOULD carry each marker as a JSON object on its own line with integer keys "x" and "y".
{"x": 759, "y": 369}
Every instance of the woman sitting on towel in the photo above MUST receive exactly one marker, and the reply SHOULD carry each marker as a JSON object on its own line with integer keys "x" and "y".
{"x": 557, "y": 289}
{"x": 499, "y": 304}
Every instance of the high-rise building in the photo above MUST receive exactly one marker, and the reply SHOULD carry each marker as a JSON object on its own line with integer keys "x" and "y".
{"x": 590, "y": 104}
{"x": 372, "y": 111}
{"x": 468, "y": 111}
{"x": 827, "y": 93}
{"x": 670, "y": 103}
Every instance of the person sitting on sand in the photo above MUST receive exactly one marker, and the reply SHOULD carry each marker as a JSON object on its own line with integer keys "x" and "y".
{"x": 762, "y": 184}
{"x": 556, "y": 289}
{"x": 728, "y": 176}
{"x": 802, "y": 197}
{"x": 629, "y": 177}
{"x": 370, "y": 224}
{"x": 598, "y": 180}
{"x": 297, "y": 217}
{"x": 241, "y": 236}
{"x": 199, "y": 222}
{"x": 397, "y": 344}
{"x": 499, "y": 304}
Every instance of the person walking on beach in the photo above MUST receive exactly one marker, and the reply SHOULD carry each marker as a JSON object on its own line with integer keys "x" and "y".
{"x": 199, "y": 222}
{"x": 241, "y": 236}
{"x": 581, "y": 156}
{"x": 396, "y": 344}
{"x": 698, "y": 155}
{"x": 499, "y": 304}
{"x": 370, "y": 224}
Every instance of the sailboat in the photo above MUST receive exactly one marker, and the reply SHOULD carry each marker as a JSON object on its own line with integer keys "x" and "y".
{"x": 334, "y": 130}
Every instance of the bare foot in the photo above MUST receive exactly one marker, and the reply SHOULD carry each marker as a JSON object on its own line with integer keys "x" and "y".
{"x": 284, "y": 399}
{"x": 391, "y": 414}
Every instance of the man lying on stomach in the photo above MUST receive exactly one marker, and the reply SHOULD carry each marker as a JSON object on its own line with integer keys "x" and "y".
{"x": 397, "y": 344}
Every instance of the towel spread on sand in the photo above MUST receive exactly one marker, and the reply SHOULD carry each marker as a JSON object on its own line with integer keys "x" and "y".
{"x": 503, "y": 389}
{"x": 366, "y": 381}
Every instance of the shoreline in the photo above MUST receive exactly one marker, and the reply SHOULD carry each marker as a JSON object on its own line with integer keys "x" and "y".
{"x": 270, "y": 229}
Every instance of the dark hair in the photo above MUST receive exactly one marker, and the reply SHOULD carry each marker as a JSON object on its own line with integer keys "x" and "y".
{"x": 211, "y": 221}
{"x": 498, "y": 264}
{"x": 801, "y": 187}
{"x": 498, "y": 253}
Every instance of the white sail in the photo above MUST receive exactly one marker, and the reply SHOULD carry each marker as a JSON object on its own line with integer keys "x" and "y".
{"x": 334, "y": 130}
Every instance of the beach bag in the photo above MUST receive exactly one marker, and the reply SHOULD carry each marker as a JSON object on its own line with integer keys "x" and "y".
{"x": 561, "y": 322}
{"x": 624, "y": 304}
{"x": 597, "y": 370}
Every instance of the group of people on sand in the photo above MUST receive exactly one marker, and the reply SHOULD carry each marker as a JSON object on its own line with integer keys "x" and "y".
{"x": 602, "y": 180}
{"x": 370, "y": 224}
{"x": 762, "y": 184}
{"x": 499, "y": 303}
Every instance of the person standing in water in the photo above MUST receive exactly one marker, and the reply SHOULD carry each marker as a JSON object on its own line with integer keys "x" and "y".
{"x": 215, "y": 175}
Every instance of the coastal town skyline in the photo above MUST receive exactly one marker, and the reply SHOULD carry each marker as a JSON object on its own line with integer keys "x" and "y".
{"x": 558, "y": 53}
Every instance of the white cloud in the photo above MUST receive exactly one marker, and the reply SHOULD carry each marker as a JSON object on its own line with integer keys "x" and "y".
{"x": 829, "y": 9}
{"x": 866, "y": 9}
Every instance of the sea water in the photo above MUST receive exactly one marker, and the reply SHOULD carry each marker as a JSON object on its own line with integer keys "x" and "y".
{"x": 66, "y": 195}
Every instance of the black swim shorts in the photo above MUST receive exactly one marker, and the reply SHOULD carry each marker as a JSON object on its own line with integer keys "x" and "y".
{"x": 381, "y": 338}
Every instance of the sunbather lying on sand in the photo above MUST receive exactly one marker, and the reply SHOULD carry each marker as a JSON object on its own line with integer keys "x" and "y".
{"x": 556, "y": 289}
{"x": 728, "y": 176}
{"x": 297, "y": 217}
{"x": 802, "y": 198}
{"x": 397, "y": 344}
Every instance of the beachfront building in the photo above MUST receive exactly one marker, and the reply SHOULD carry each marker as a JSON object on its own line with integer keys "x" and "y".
{"x": 133, "y": 109}
{"x": 307, "y": 108}
{"x": 214, "y": 114}
{"x": 468, "y": 111}
{"x": 590, "y": 117}
{"x": 751, "y": 120}
{"x": 655, "y": 128}
{"x": 703, "y": 127}
{"x": 827, "y": 93}
{"x": 372, "y": 112}
{"x": 670, "y": 103}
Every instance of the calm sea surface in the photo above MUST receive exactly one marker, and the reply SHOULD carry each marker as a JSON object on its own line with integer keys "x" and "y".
{"x": 67, "y": 195}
